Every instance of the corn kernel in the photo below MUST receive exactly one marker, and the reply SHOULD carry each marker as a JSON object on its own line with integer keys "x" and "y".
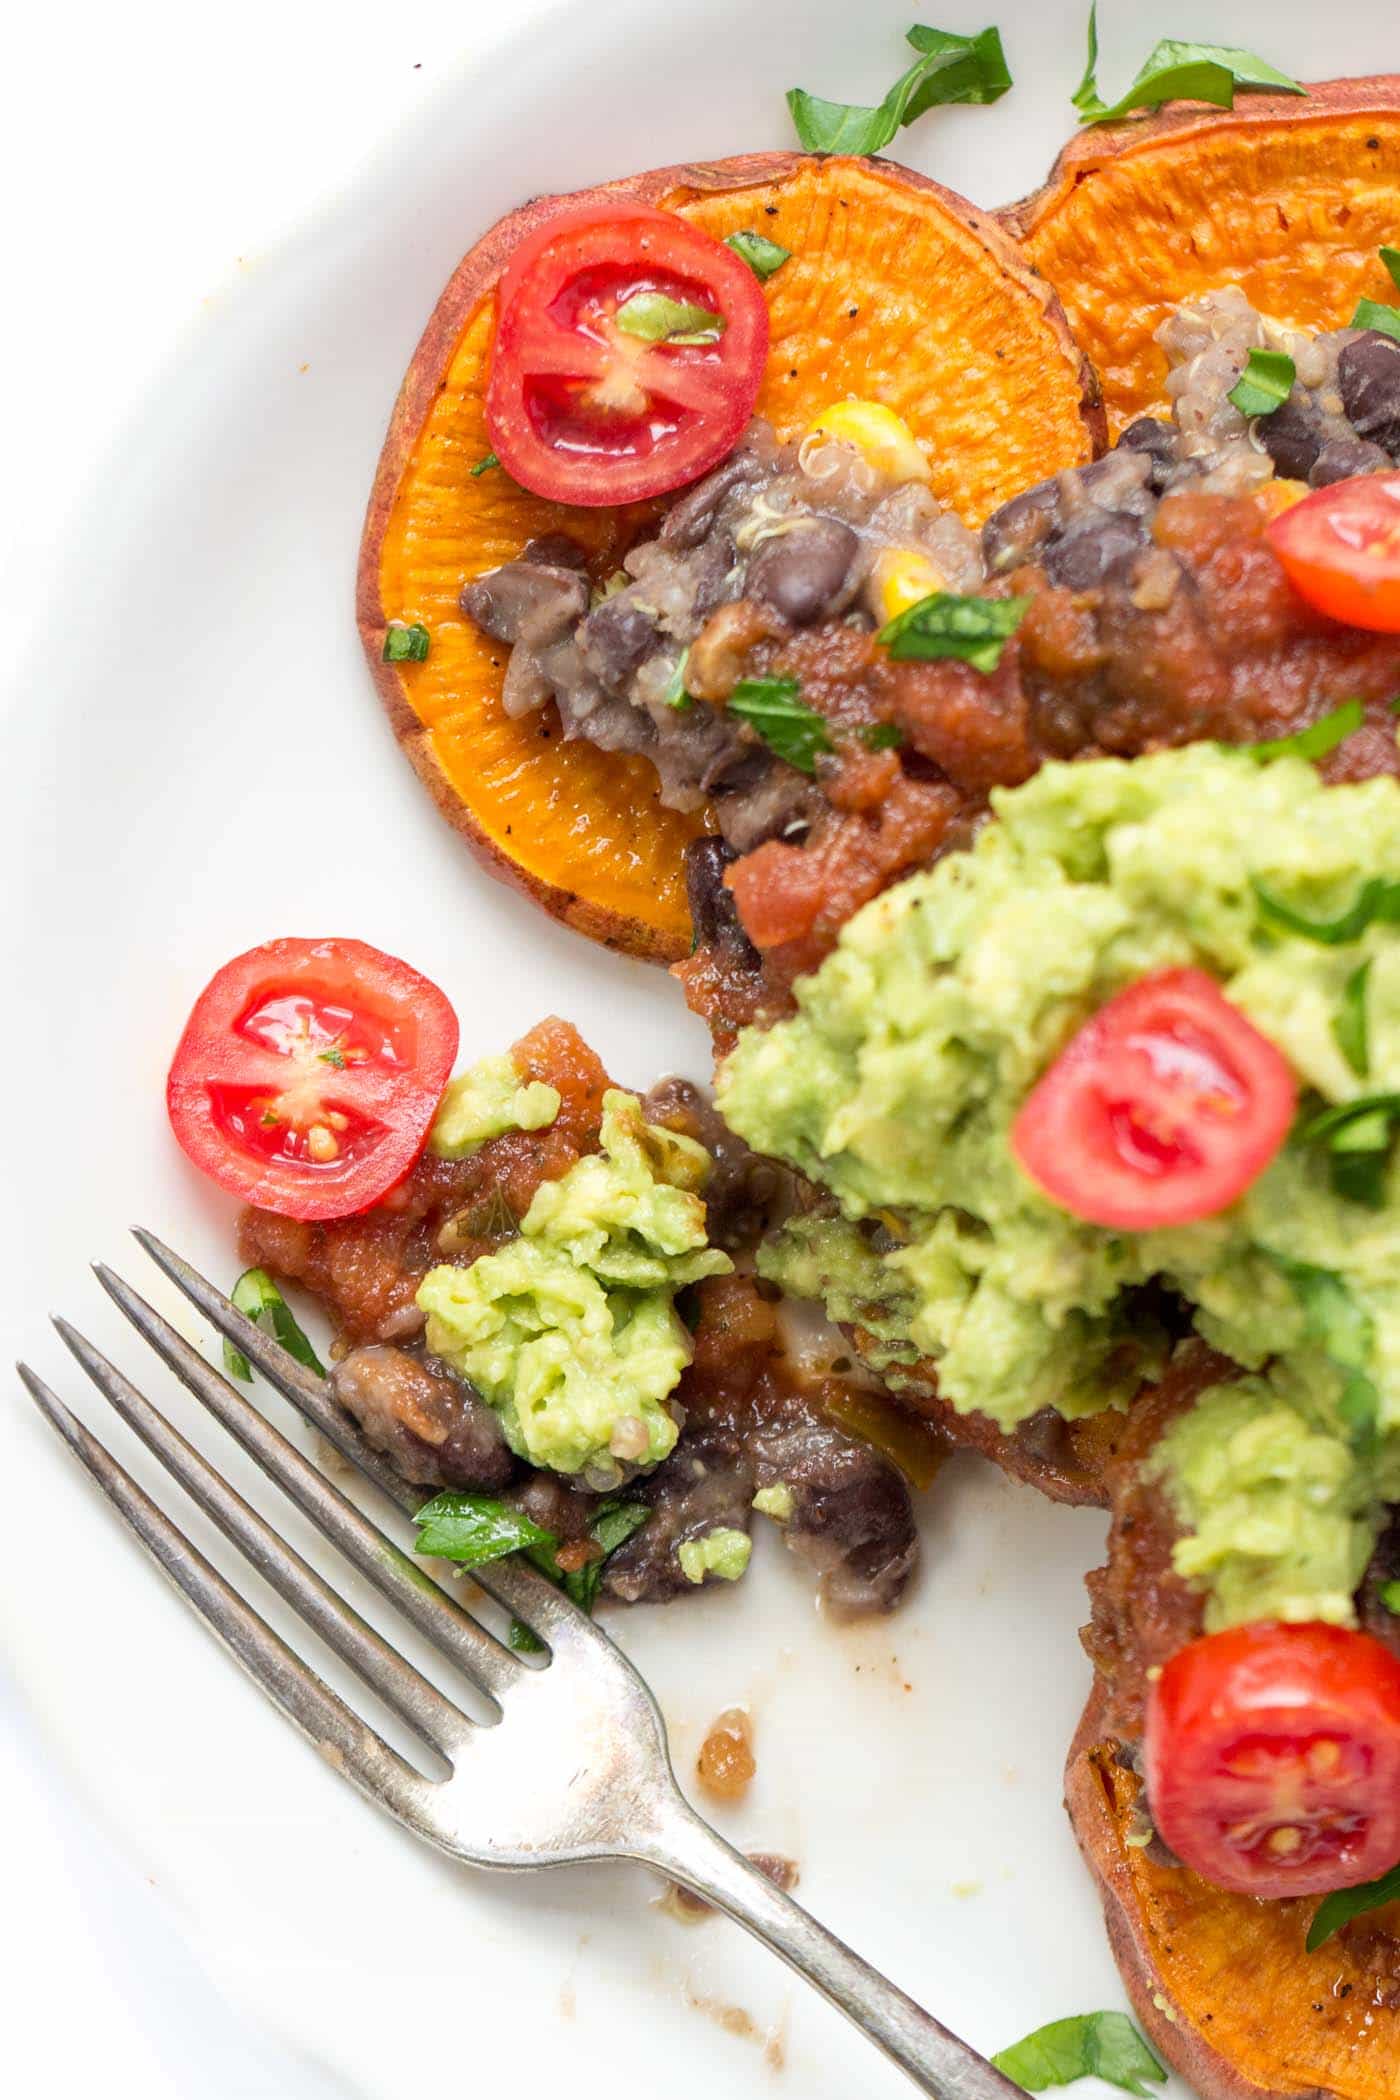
{"x": 901, "y": 577}
{"x": 882, "y": 437}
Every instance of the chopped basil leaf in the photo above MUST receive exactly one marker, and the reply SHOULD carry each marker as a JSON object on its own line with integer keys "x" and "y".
{"x": 762, "y": 255}
{"x": 613, "y": 1525}
{"x": 334, "y": 1056}
{"x": 1350, "y": 1027}
{"x": 1343, "y": 1330}
{"x": 1318, "y": 738}
{"x": 1176, "y": 71}
{"x": 472, "y": 1529}
{"x": 1371, "y": 314}
{"x": 405, "y": 644}
{"x": 882, "y": 736}
{"x": 256, "y": 1295}
{"x": 1090, "y": 2045}
{"x": 675, "y": 694}
{"x": 522, "y": 1641}
{"x": 1265, "y": 383}
{"x": 1389, "y": 1594}
{"x": 950, "y": 68}
{"x": 1343, "y": 1905}
{"x": 1377, "y": 901}
{"x": 973, "y": 629}
{"x": 484, "y": 465}
{"x": 1358, "y": 1134}
{"x": 1333, "y": 1124}
{"x": 655, "y": 318}
{"x": 790, "y": 729}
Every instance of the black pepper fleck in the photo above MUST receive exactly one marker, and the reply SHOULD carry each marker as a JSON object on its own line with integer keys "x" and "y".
{"x": 771, "y": 210}
{"x": 1373, "y": 145}
{"x": 851, "y": 312}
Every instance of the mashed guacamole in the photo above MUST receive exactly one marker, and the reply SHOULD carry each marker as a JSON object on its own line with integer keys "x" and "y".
{"x": 914, "y": 1045}
{"x": 570, "y": 1330}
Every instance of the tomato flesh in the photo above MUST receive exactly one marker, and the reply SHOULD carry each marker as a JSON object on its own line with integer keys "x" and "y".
{"x": 1162, "y": 1109}
{"x": 308, "y": 1075}
{"x": 1340, "y": 549}
{"x": 1272, "y": 1758}
{"x": 582, "y": 412}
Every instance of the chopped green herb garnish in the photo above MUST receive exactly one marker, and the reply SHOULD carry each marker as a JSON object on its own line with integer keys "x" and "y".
{"x": 256, "y": 1295}
{"x": 405, "y": 643}
{"x": 676, "y": 695}
{"x": 975, "y": 630}
{"x": 882, "y": 736}
{"x": 1377, "y": 902}
{"x": 1358, "y": 1135}
{"x": 1371, "y": 314}
{"x": 522, "y": 1641}
{"x": 762, "y": 255}
{"x": 1343, "y": 1905}
{"x": 1333, "y": 1123}
{"x": 1317, "y": 739}
{"x": 334, "y": 1056}
{"x": 655, "y": 318}
{"x": 484, "y": 465}
{"x": 1090, "y": 2045}
{"x": 790, "y": 729}
{"x": 1175, "y": 71}
{"x": 1350, "y": 1028}
{"x": 950, "y": 68}
{"x": 1389, "y": 1594}
{"x": 474, "y": 1529}
{"x": 269, "y": 1120}
{"x": 1265, "y": 383}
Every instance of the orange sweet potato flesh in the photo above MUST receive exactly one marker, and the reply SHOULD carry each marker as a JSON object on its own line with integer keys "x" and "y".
{"x": 897, "y": 290}
{"x": 1289, "y": 197}
{"x": 1224, "y": 1985}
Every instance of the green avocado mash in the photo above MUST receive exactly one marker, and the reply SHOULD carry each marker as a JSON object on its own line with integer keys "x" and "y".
{"x": 723, "y": 1554}
{"x": 570, "y": 1329}
{"x": 485, "y": 1102}
{"x": 914, "y": 1045}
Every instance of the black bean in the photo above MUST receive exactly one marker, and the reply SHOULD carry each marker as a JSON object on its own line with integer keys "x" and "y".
{"x": 801, "y": 572}
{"x": 556, "y": 550}
{"x": 615, "y": 638}
{"x": 1293, "y": 436}
{"x": 1082, "y": 560}
{"x": 526, "y": 601}
{"x": 1013, "y": 534}
{"x": 1368, "y": 373}
{"x": 1343, "y": 458}
{"x": 692, "y": 515}
{"x": 713, "y": 916}
{"x": 1158, "y": 440}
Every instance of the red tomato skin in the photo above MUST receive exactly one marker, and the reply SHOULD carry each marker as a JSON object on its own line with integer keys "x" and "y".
{"x": 1340, "y": 549}
{"x": 1260, "y": 1692}
{"x": 716, "y": 387}
{"x": 391, "y": 1099}
{"x": 1067, "y": 1135}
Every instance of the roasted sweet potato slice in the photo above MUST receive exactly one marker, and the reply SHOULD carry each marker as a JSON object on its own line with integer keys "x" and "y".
{"x": 896, "y": 290}
{"x": 1224, "y": 1985}
{"x": 1288, "y": 197}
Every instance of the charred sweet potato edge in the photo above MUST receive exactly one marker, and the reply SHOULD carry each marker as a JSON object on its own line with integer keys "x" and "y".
{"x": 564, "y": 819}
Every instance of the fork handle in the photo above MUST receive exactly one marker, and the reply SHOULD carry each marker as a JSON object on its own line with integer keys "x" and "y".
{"x": 690, "y": 1852}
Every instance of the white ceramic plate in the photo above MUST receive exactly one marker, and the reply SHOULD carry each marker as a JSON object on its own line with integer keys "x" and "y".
{"x": 207, "y": 766}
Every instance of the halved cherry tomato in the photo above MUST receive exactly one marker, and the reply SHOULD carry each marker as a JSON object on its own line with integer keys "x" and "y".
{"x": 1163, "y": 1108}
{"x": 1272, "y": 1758}
{"x": 1340, "y": 549}
{"x": 309, "y": 1073}
{"x": 582, "y": 411}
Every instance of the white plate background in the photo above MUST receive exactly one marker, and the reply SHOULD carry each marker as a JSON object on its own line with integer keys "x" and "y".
{"x": 193, "y": 760}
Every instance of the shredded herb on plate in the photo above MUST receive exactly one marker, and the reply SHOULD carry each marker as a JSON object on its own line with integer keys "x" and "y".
{"x": 654, "y": 318}
{"x": 1350, "y": 1028}
{"x": 1265, "y": 383}
{"x": 405, "y": 642}
{"x": 476, "y": 1529}
{"x": 484, "y": 465}
{"x": 789, "y": 728}
{"x": 881, "y": 736}
{"x": 975, "y": 630}
{"x": 1343, "y": 1905}
{"x": 1089, "y": 2045}
{"x": 675, "y": 694}
{"x": 1370, "y": 313}
{"x": 1318, "y": 739}
{"x": 1175, "y": 71}
{"x": 1358, "y": 1134}
{"x": 1344, "y": 1331}
{"x": 762, "y": 255}
{"x": 257, "y": 1296}
{"x": 1377, "y": 902}
{"x": 950, "y": 68}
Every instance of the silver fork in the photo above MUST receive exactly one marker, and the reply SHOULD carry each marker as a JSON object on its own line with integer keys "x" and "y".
{"x": 577, "y": 1767}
